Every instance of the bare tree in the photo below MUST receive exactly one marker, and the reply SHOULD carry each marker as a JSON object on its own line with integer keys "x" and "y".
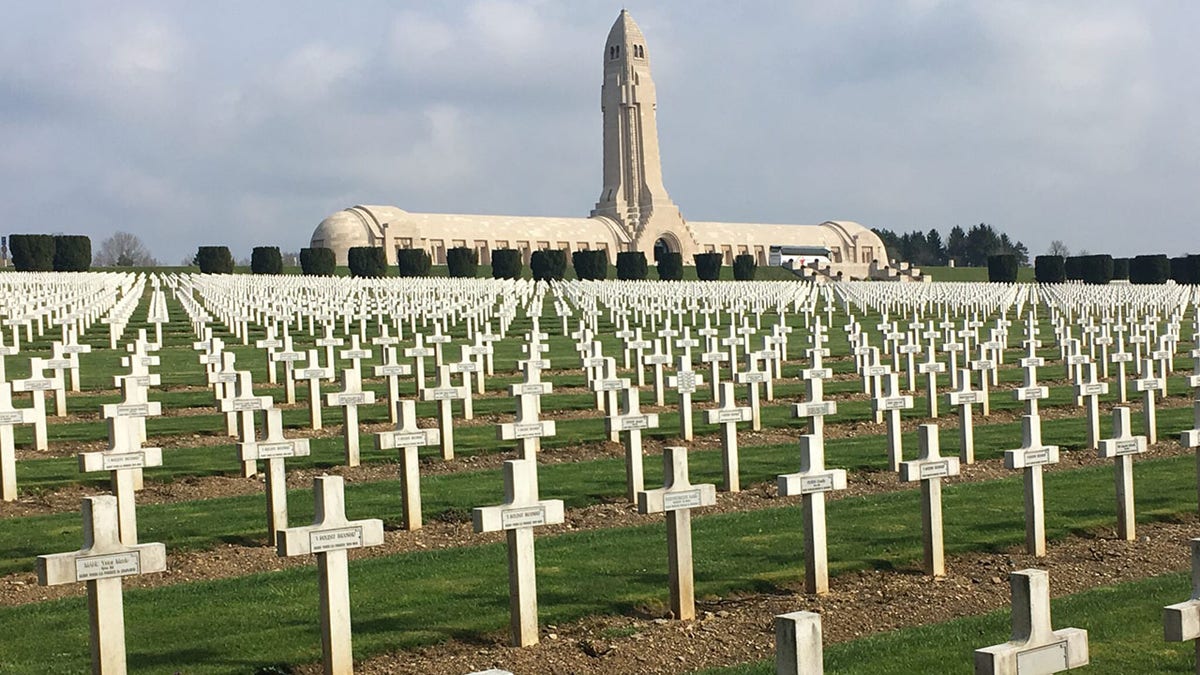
{"x": 123, "y": 250}
{"x": 1058, "y": 248}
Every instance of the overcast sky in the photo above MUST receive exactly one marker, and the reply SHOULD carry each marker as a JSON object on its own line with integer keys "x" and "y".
{"x": 246, "y": 123}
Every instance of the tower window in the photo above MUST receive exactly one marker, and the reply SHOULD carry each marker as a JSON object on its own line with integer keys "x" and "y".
{"x": 614, "y": 51}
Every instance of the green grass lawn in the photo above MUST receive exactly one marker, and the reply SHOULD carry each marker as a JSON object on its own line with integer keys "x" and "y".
{"x": 1024, "y": 274}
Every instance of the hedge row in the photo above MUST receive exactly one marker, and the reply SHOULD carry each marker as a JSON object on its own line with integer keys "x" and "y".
{"x": 318, "y": 262}
{"x": 590, "y": 265}
{"x": 546, "y": 265}
{"x": 214, "y": 260}
{"x": 50, "y": 253}
{"x": 266, "y": 260}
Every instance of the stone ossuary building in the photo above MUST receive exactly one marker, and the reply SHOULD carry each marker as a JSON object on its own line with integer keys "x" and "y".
{"x": 634, "y": 211}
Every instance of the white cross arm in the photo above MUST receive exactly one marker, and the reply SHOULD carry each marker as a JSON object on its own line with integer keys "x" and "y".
{"x": 123, "y": 561}
{"x": 816, "y": 373}
{"x": 925, "y": 469}
{"x": 246, "y": 403}
{"x": 149, "y": 409}
{"x": 511, "y": 431}
{"x": 1092, "y": 389}
{"x": 1148, "y": 384}
{"x": 675, "y": 499}
{"x": 931, "y": 367}
{"x": 609, "y": 385}
{"x": 728, "y": 415}
{"x": 809, "y": 482}
{"x": 224, "y": 376}
{"x": 17, "y": 416}
{"x": 1181, "y": 621}
{"x": 1116, "y": 447}
{"x": 443, "y": 393}
{"x": 343, "y": 398}
{"x": 963, "y": 397}
{"x": 530, "y": 388}
{"x": 329, "y": 537}
{"x": 1190, "y": 438}
{"x": 415, "y": 438}
{"x": 392, "y": 370}
{"x": 1194, "y": 381}
{"x": 294, "y": 447}
{"x": 127, "y": 361}
{"x": 151, "y": 380}
{"x": 893, "y": 403}
{"x": 512, "y": 517}
{"x": 1030, "y": 393}
{"x": 1027, "y": 457}
{"x": 120, "y": 461}
{"x": 631, "y": 422}
{"x": 815, "y": 409}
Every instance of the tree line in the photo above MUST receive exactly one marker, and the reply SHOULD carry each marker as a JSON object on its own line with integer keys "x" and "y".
{"x": 967, "y": 248}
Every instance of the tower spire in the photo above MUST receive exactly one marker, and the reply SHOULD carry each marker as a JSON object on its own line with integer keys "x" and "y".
{"x": 633, "y": 186}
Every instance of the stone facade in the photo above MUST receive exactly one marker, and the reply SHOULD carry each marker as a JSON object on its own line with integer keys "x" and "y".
{"x": 633, "y": 213}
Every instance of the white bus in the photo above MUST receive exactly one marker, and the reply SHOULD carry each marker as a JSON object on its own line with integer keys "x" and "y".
{"x": 795, "y": 257}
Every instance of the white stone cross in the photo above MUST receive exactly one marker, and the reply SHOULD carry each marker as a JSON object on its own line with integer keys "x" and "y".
{"x": 36, "y": 385}
{"x": 527, "y": 430}
{"x": 1090, "y": 391}
{"x": 1121, "y": 448}
{"x": 244, "y": 403}
{"x": 930, "y": 368}
{"x": 798, "y": 649}
{"x": 607, "y": 386}
{"x": 1035, "y": 647}
{"x": 687, "y": 343}
{"x": 271, "y": 343}
{"x": 1181, "y": 621}
{"x": 521, "y": 511}
{"x": 72, "y": 349}
{"x": 349, "y": 398}
{"x": 987, "y": 368}
{"x": 676, "y": 499}
{"x": 445, "y": 393}
{"x": 625, "y": 334}
{"x": 811, "y": 483}
{"x": 657, "y": 360}
{"x": 713, "y": 358}
{"x": 289, "y": 357}
{"x": 929, "y": 468}
{"x": 964, "y": 397}
{"x": 313, "y": 372}
{"x": 329, "y": 537}
{"x": 631, "y": 420}
{"x": 815, "y": 406}
{"x": 356, "y": 353}
{"x": 1121, "y": 357}
{"x": 10, "y": 417}
{"x": 1030, "y": 392}
{"x": 124, "y": 457}
{"x": 1148, "y": 384}
{"x": 728, "y": 414}
{"x": 1031, "y": 457}
{"x": 329, "y": 341}
{"x": 685, "y": 382}
{"x": 891, "y": 404}
{"x": 223, "y": 379}
{"x": 102, "y": 562}
{"x": 407, "y": 438}
{"x": 418, "y": 353}
{"x": 466, "y": 366}
{"x": 61, "y": 363}
{"x": 392, "y": 369}
{"x": 274, "y": 448}
{"x": 752, "y": 377}
{"x": 639, "y": 346}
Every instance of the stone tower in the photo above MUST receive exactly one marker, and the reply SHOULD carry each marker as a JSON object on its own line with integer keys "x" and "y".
{"x": 634, "y": 195}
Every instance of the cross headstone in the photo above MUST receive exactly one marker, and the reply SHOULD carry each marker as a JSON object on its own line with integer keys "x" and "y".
{"x": 418, "y": 353}
{"x": 1148, "y": 384}
{"x": 930, "y": 368}
{"x": 1090, "y": 390}
{"x": 963, "y": 398}
{"x": 408, "y": 438}
{"x": 244, "y": 404}
{"x": 630, "y": 421}
{"x": 676, "y": 499}
{"x": 891, "y": 404}
{"x": 349, "y": 398}
{"x": 288, "y": 356}
{"x": 728, "y": 414}
{"x": 10, "y": 417}
{"x": 466, "y": 366}
{"x": 36, "y": 385}
{"x": 124, "y": 459}
{"x": 274, "y": 449}
{"x": 445, "y": 393}
{"x": 102, "y": 562}
{"x": 521, "y": 511}
{"x": 329, "y": 341}
{"x": 657, "y": 360}
{"x": 685, "y": 382}
{"x": 752, "y": 377}
{"x": 929, "y": 468}
{"x": 1121, "y": 448}
{"x": 328, "y": 538}
{"x": 1035, "y": 647}
{"x": 1181, "y": 621}
{"x": 607, "y": 387}
{"x": 527, "y": 430}
{"x": 392, "y": 370}
{"x": 270, "y": 343}
{"x": 1031, "y": 457}
{"x": 811, "y": 483}
{"x": 313, "y": 372}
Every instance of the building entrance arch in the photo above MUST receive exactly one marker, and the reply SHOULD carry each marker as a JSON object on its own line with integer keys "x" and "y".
{"x": 666, "y": 243}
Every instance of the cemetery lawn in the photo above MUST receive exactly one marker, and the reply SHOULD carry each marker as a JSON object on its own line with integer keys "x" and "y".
{"x": 1124, "y": 624}
{"x": 409, "y": 600}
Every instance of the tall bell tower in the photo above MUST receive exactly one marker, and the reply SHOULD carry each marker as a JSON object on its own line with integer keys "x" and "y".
{"x": 634, "y": 195}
